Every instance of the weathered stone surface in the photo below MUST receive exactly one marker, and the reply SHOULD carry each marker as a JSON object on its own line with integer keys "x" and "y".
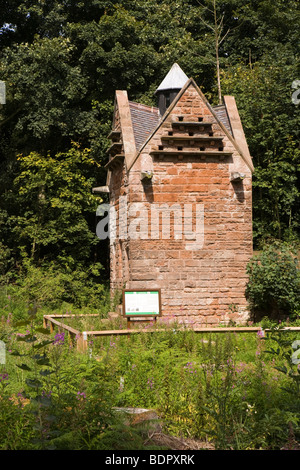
{"x": 198, "y": 283}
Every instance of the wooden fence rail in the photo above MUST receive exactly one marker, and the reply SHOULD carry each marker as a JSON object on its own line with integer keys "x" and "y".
{"x": 81, "y": 337}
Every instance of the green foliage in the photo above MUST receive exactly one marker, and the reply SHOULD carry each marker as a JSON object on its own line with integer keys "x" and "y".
{"x": 50, "y": 286}
{"x": 61, "y": 62}
{"x": 67, "y": 410}
{"x": 199, "y": 385}
{"x": 263, "y": 92}
{"x": 286, "y": 353}
{"x": 53, "y": 198}
{"x": 273, "y": 288}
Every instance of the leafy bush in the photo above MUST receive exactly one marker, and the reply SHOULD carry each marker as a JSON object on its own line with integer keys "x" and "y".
{"x": 274, "y": 282}
{"x": 50, "y": 286}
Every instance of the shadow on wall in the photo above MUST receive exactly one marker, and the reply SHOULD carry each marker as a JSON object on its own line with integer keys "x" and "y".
{"x": 239, "y": 190}
{"x": 148, "y": 190}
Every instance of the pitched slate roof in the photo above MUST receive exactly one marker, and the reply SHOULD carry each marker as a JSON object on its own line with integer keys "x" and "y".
{"x": 222, "y": 114}
{"x": 229, "y": 132}
{"x": 144, "y": 120}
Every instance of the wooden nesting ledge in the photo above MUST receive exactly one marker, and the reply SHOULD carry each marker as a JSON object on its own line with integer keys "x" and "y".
{"x": 191, "y": 124}
{"x": 207, "y": 153}
{"x": 115, "y": 147}
{"x": 115, "y": 162}
{"x": 115, "y": 135}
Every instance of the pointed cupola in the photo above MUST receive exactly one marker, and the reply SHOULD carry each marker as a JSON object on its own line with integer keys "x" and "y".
{"x": 170, "y": 87}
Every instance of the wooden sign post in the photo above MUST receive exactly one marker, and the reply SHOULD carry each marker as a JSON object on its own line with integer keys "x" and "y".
{"x": 144, "y": 304}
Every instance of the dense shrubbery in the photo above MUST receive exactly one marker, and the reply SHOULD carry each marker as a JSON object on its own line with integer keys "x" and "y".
{"x": 274, "y": 282}
{"x": 50, "y": 288}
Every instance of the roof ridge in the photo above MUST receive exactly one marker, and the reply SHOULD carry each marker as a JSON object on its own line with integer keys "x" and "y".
{"x": 144, "y": 106}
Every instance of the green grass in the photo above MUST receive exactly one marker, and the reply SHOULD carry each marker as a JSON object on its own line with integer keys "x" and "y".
{"x": 224, "y": 387}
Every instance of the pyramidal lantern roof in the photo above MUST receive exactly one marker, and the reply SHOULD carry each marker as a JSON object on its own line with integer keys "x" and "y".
{"x": 174, "y": 80}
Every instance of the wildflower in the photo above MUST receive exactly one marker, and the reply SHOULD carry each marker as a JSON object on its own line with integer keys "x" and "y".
{"x": 189, "y": 367}
{"x": 3, "y": 377}
{"x": 20, "y": 400}
{"x": 81, "y": 395}
{"x": 122, "y": 382}
{"x": 150, "y": 383}
{"x": 250, "y": 408}
{"x": 59, "y": 339}
{"x": 241, "y": 367}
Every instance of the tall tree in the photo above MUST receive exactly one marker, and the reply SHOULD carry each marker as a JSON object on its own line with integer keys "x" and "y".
{"x": 62, "y": 61}
{"x": 219, "y": 35}
{"x": 271, "y": 122}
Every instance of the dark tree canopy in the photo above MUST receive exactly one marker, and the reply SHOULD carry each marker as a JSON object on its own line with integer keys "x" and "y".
{"x": 62, "y": 61}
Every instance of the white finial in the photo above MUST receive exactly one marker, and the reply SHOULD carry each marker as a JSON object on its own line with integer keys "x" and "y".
{"x": 174, "y": 80}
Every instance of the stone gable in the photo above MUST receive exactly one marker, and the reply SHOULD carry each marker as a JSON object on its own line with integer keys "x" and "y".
{"x": 186, "y": 196}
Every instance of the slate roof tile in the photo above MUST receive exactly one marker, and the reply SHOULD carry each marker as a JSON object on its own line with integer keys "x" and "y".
{"x": 144, "y": 120}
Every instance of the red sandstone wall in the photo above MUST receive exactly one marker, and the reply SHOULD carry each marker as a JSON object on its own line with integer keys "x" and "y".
{"x": 201, "y": 286}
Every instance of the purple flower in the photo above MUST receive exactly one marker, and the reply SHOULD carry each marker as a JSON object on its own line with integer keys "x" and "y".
{"x": 3, "y": 377}
{"x": 189, "y": 367}
{"x": 59, "y": 338}
{"x": 150, "y": 383}
{"x": 80, "y": 395}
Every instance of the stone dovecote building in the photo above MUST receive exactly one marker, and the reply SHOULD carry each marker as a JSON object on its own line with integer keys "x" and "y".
{"x": 180, "y": 186}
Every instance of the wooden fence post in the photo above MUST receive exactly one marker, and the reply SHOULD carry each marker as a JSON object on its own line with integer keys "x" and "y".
{"x": 82, "y": 342}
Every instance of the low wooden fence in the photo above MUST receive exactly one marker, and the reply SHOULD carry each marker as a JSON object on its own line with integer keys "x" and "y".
{"x": 81, "y": 337}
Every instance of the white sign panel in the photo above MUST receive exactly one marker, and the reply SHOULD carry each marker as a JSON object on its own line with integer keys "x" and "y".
{"x": 141, "y": 303}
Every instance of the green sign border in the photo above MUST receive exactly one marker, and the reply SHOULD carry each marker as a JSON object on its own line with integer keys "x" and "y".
{"x": 141, "y": 314}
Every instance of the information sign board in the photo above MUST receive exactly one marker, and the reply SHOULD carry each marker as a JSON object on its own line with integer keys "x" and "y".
{"x": 143, "y": 303}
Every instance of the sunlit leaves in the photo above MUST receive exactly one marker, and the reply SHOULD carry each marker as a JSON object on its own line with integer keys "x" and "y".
{"x": 54, "y": 193}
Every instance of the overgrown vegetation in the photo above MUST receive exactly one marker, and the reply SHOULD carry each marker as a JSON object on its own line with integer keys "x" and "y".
{"x": 61, "y": 63}
{"x": 235, "y": 390}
